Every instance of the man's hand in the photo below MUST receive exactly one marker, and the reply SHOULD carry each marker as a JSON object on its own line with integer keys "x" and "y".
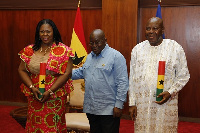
{"x": 166, "y": 95}
{"x": 133, "y": 112}
{"x": 117, "y": 112}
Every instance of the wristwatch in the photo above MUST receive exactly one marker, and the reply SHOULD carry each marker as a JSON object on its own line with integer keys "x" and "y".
{"x": 50, "y": 92}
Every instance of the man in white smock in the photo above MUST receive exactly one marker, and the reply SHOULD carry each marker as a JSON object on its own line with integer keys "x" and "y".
{"x": 153, "y": 116}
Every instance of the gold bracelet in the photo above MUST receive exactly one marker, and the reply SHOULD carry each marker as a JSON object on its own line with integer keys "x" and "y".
{"x": 31, "y": 86}
{"x": 50, "y": 92}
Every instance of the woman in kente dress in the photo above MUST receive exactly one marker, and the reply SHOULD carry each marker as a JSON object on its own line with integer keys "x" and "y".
{"x": 47, "y": 113}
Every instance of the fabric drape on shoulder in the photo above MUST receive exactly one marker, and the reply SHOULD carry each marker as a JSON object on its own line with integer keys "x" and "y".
{"x": 57, "y": 62}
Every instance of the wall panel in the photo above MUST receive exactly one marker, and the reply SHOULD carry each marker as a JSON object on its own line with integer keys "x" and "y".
{"x": 49, "y": 4}
{"x": 168, "y": 3}
{"x": 119, "y": 21}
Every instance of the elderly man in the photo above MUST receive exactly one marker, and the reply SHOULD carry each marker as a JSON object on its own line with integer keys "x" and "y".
{"x": 106, "y": 85}
{"x": 153, "y": 116}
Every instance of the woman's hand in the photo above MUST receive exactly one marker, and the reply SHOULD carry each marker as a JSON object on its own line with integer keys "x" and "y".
{"x": 45, "y": 96}
{"x": 36, "y": 92}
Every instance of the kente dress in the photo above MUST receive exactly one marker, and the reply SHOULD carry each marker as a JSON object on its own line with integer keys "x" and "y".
{"x": 48, "y": 117}
{"x": 152, "y": 117}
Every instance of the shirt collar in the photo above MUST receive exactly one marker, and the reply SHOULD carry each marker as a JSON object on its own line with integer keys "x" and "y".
{"x": 102, "y": 52}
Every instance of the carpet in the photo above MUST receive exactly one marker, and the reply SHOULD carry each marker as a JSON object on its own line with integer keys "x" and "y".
{"x": 127, "y": 126}
{"x": 10, "y": 125}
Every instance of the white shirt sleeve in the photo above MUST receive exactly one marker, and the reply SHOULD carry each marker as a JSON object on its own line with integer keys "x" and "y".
{"x": 181, "y": 73}
{"x": 132, "y": 98}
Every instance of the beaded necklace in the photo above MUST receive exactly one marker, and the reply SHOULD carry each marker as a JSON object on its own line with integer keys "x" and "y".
{"x": 45, "y": 51}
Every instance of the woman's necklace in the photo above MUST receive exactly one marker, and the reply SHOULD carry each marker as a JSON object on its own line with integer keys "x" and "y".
{"x": 45, "y": 51}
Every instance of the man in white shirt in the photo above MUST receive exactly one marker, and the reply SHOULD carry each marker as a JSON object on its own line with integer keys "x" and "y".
{"x": 153, "y": 116}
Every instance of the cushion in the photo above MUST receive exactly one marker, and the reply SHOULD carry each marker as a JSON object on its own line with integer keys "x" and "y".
{"x": 77, "y": 121}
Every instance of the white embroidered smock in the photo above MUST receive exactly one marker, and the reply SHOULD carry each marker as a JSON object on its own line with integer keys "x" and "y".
{"x": 152, "y": 117}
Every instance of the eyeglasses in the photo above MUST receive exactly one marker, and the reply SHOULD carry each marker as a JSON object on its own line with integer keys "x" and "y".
{"x": 97, "y": 42}
{"x": 45, "y": 31}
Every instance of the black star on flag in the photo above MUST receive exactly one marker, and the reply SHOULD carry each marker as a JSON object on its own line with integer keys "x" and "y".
{"x": 78, "y": 44}
{"x": 161, "y": 82}
{"x": 43, "y": 81}
{"x": 77, "y": 60}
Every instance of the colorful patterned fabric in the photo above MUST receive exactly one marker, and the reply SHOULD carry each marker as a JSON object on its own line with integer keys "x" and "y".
{"x": 48, "y": 117}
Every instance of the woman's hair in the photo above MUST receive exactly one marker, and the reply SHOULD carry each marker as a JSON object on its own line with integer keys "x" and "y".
{"x": 56, "y": 33}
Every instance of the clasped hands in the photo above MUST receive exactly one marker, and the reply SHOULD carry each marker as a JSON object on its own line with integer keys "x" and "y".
{"x": 45, "y": 95}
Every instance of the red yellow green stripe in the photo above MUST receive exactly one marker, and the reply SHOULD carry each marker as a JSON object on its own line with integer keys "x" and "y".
{"x": 160, "y": 81}
{"x": 42, "y": 77}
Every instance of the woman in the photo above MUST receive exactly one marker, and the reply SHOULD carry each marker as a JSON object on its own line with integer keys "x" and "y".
{"x": 46, "y": 114}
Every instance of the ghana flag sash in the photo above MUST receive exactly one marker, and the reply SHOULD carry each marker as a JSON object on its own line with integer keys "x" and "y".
{"x": 160, "y": 81}
{"x": 42, "y": 77}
